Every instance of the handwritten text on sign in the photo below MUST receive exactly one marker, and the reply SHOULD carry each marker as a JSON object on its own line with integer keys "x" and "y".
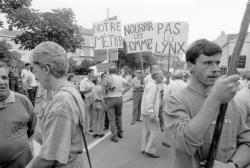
{"x": 170, "y": 38}
{"x": 139, "y": 37}
{"x": 108, "y": 35}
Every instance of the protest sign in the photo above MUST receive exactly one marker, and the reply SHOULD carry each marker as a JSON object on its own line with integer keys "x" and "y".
{"x": 170, "y": 38}
{"x": 108, "y": 35}
{"x": 139, "y": 37}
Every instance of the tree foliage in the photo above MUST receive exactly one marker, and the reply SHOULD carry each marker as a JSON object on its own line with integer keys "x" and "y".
{"x": 134, "y": 60}
{"x": 10, "y": 6}
{"x": 58, "y": 26}
{"x": 8, "y": 56}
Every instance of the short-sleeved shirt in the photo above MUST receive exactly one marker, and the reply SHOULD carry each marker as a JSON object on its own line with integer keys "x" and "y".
{"x": 117, "y": 82}
{"x": 17, "y": 124}
{"x": 86, "y": 85}
{"x": 59, "y": 131}
{"x": 181, "y": 108}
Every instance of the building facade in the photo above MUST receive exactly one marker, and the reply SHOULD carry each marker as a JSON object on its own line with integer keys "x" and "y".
{"x": 87, "y": 50}
{"x": 227, "y": 42}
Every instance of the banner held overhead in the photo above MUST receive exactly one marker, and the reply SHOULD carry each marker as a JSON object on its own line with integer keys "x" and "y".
{"x": 139, "y": 37}
{"x": 170, "y": 38}
{"x": 108, "y": 35}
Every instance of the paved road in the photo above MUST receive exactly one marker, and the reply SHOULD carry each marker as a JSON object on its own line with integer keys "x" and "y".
{"x": 126, "y": 153}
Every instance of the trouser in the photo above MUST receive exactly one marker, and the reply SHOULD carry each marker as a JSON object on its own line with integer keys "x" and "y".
{"x": 151, "y": 133}
{"x": 32, "y": 95}
{"x": 89, "y": 113}
{"x": 114, "y": 110}
{"x": 77, "y": 163}
{"x": 136, "y": 113}
{"x": 98, "y": 117}
{"x": 106, "y": 120}
{"x": 21, "y": 161}
{"x": 161, "y": 120}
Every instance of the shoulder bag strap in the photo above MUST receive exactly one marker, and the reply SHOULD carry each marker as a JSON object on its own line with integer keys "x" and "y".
{"x": 82, "y": 128}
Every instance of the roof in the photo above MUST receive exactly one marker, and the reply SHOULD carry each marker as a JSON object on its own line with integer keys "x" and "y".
{"x": 10, "y": 33}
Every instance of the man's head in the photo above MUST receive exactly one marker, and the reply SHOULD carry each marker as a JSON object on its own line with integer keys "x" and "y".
{"x": 138, "y": 73}
{"x": 157, "y": 76}
{"x": 203, "y": 59}
{"x": 154, "y": 68}
{"x": 4, "y": 81}
{"x": 178, "y": 74}
{"x": 49, "y": 60}
{"x": 27, "y": 66}
{"x": 90, "y": 73}
{"x": 112, "y": 69}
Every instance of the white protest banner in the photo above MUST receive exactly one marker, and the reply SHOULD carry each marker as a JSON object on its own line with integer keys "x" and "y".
{"x": 108, "y": 35}
{"x": 139, "y": 37}
{"x": 170, "y": 38}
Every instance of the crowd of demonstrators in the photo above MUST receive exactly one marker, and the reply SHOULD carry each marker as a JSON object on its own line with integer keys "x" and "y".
{"x": 18, "y": 121}
{"x": 114, "y": 87}
{"x": 60, "y": 125}
{"x": 191, "y": 113}
{"x": 180, "y": 106}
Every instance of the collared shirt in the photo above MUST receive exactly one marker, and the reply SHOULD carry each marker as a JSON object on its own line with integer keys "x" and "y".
{"x": 136, "y": 83}
{"x": 17, "y": 124}
{"x": 151, "y": 99}
{"x": 96, "y": 93}
{"x": 86, "y": 85}
{"x": 10, "y": 99}
{"x": 58, "y": 129}
{"x": 31, "y": 81}
{"x": 181, "y": 108}
{"x": 117, "y": 83}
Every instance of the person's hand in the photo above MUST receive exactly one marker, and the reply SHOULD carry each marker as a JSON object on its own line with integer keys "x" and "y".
{"x": 225, "y": 88}
{"x": 153, "y": 118}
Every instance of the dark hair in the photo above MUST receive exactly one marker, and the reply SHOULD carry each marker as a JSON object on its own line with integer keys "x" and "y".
{"x": 202, "y": 46}
{"x": 89, "y": 70}
{"x": 26, "y": 64}
{"x": 104, "y": 73}
{"x": 70, "y": 76}
{"x": 112, "y": 69}
{"x": 95, "y": 80}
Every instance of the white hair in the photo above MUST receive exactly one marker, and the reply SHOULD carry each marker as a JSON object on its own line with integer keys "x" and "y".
{"x": 51, "y": 54}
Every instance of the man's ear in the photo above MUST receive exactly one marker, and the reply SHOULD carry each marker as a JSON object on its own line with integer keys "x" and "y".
{"x": 47, "y": 68}
{"x": 190, "y": 66}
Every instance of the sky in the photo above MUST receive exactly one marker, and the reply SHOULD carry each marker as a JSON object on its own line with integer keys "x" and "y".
{"x": 206, "y": 18}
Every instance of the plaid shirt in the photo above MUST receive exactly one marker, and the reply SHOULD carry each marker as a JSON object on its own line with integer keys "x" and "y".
{"x": 181, "y": 108}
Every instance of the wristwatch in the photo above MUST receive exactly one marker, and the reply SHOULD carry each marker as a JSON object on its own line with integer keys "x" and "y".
{"x": 235, "y": 164}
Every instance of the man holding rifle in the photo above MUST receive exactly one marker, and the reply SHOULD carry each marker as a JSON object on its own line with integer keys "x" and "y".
{"x": 191, "y": 114}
